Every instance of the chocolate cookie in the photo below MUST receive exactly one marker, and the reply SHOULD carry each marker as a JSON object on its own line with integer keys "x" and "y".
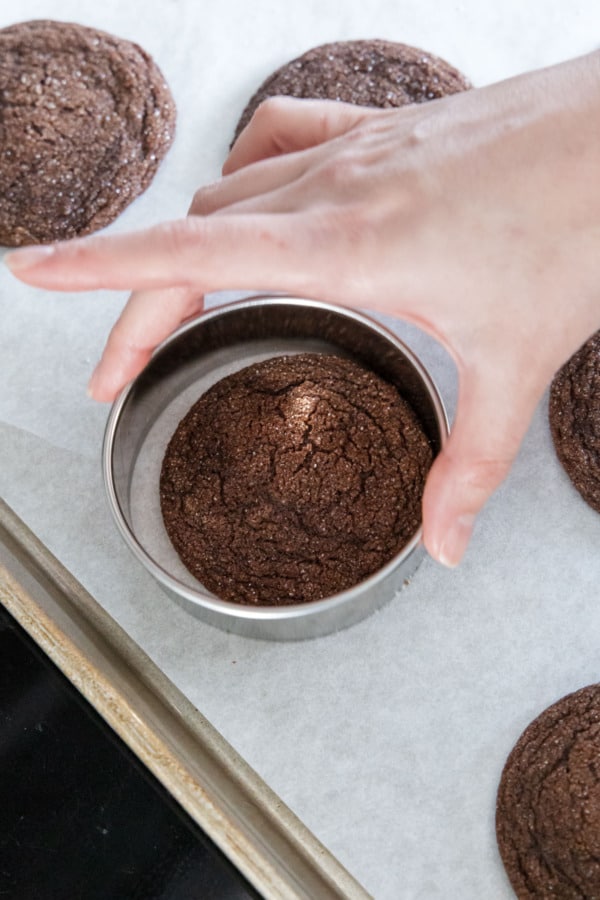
{"x": 293, "y": 479}
{"x": 85, "y": 120}
{"x": 548, "y": 807}
{"x": 574, "y": 414}
{"x": 367, "y": 73}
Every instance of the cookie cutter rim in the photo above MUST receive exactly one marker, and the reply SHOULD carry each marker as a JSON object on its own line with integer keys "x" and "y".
{"x": 293, "y": 621}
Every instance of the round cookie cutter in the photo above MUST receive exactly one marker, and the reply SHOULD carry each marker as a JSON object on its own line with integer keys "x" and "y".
{"x": 201, "y": 352}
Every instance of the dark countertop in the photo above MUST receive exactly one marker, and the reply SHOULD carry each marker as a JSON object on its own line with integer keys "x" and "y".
{"x": 80, "y": 815}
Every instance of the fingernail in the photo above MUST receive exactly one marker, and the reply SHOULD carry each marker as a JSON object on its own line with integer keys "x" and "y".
{"x": 455, "y": 542}
{"x": 27, "y": 258}
{"x": 93, "y": 382}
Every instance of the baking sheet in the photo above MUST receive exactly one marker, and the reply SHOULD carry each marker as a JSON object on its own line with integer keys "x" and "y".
{"x": 388, "y": 739}
{"x": 246, "y": 820}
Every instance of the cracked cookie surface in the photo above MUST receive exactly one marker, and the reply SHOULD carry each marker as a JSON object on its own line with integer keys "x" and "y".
{"x": 293, "y": 479}
{"x": 548, "y": 806}
{"x": 574, "y": 414}
{"x": 85, "y": 120}
{"x": 377, "y": 73}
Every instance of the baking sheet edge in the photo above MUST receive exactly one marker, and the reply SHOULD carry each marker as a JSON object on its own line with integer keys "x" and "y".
{"x": 278, "y": 855}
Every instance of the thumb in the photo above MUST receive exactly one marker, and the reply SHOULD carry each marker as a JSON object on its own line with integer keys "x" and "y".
{"x": 493, "y": 413}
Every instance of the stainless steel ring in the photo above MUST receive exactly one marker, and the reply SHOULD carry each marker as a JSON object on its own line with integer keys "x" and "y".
{"x": 202, "y": 351}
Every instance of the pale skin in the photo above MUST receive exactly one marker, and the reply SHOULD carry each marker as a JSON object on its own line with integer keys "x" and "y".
{"x": 477, "y": 217}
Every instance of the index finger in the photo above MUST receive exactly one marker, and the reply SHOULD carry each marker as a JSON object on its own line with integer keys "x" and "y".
{"x": 259, "y": 251}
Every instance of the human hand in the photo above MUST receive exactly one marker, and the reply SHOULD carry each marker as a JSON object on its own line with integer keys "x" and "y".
{"x": 477, "y": 217}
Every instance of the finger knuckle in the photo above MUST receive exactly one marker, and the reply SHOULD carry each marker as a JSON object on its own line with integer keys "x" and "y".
{"x": 269, "y": 111}
{"x": 121, "y": 339}
{"x": 342, "y": 172}
{"x": 343, "y": 227}
{"x": 335, "y": 233}
{"x": 483, "y": 475}
{"x": 200, "y": 200}
{"x": 181, "y": 236}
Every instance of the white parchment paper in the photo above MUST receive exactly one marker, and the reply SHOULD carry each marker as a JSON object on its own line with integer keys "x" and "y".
{"x": 387, "y": 739}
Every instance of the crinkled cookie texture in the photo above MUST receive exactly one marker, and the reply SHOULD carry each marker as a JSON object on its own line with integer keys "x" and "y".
{"x": 574, "y": 414}
{"x": 85, "y": 120}
{"x": 548, "y": 807}
{"x": 293, "y": 479}
{"x": 375, "y": 73}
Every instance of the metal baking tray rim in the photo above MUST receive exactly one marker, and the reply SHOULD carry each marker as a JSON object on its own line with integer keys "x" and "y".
{"x": 272, "y": 848}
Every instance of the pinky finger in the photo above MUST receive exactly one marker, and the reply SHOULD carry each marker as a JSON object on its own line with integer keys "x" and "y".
{"x": 284, "y": 125}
